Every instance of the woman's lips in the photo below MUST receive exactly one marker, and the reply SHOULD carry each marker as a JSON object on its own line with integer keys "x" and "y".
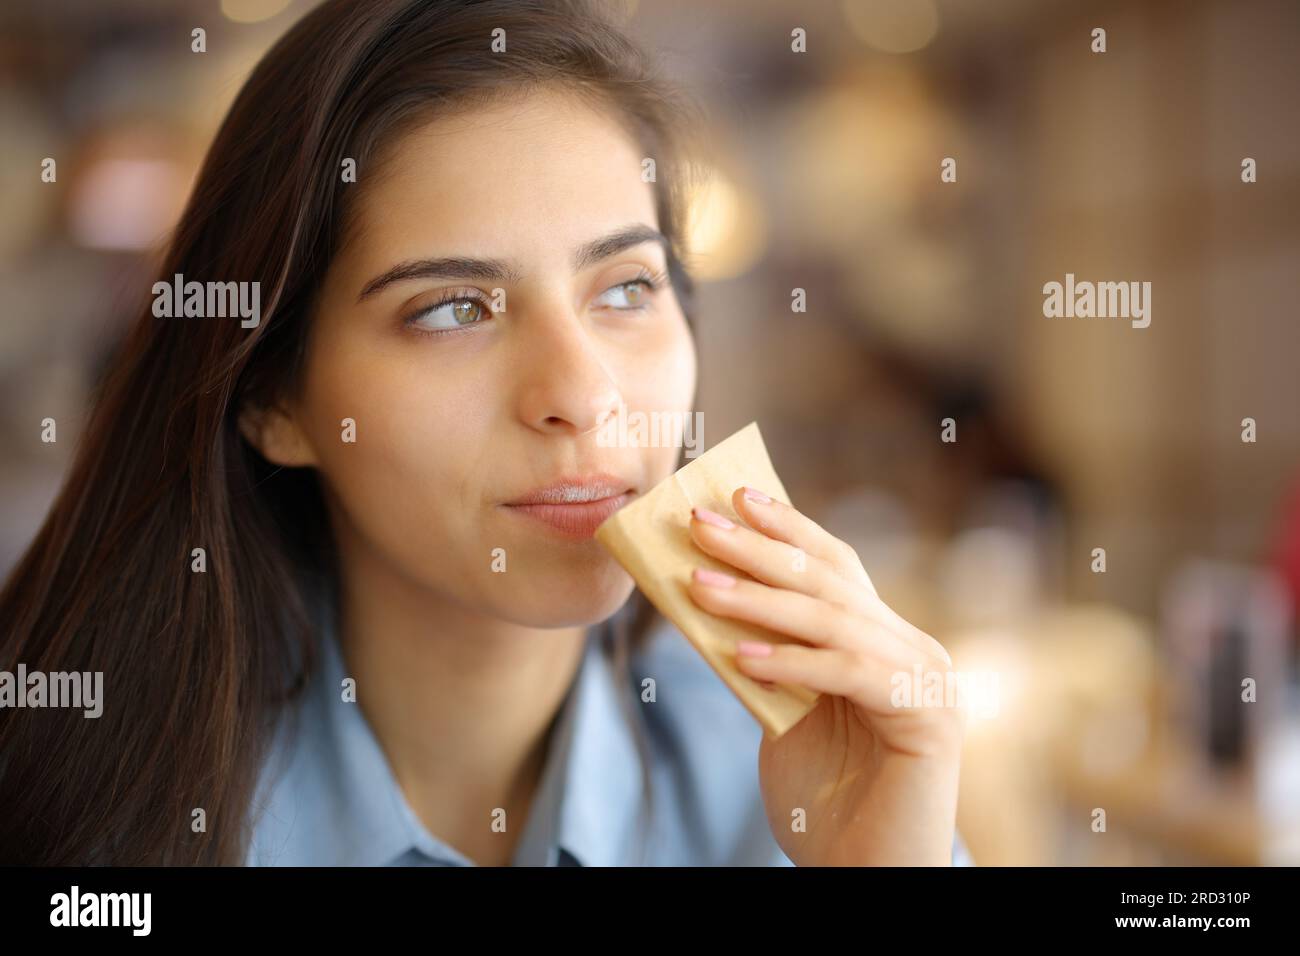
{"x": 575, "y": 519}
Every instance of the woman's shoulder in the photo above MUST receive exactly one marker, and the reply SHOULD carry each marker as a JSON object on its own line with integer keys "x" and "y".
{"x": 705, "y": 746}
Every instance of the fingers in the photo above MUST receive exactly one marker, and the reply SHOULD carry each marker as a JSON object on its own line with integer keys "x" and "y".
{"x": 769, "y": 560}
{"x": 781, "y": 521}
{"x": 910, "y": 632}
{"x": 790, "y": 550}
{"x": 859, "y": 678}
{"x": 796, "y": 615}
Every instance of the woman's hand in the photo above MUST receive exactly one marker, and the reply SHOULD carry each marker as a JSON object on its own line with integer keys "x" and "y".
{"x": 877, "y": 783}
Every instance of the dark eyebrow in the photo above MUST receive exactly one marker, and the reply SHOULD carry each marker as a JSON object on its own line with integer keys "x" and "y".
{"x": 497, "y": 270}
{"x": 616, "y": 242}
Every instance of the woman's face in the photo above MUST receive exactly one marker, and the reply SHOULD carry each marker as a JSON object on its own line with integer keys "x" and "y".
{"x": 461, "y": 410}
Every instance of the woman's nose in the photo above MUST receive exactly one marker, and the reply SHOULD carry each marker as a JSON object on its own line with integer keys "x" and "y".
{"x": 565, "y": 383}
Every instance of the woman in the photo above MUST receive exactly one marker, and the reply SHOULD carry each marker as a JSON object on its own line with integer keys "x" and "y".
{"x": 330, "y": 561}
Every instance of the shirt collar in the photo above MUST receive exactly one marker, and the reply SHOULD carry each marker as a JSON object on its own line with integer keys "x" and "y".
{"x": 587, "y": 799}
{"x": 598, "y": 759}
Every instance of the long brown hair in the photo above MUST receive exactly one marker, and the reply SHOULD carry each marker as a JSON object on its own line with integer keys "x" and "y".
{"x": 197, "y": 666}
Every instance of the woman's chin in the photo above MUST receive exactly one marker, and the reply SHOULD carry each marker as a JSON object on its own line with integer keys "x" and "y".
{"x": 571, "y": 601}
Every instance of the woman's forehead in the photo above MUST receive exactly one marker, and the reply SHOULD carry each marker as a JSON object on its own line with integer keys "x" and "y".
{"x": 547, "y": 171}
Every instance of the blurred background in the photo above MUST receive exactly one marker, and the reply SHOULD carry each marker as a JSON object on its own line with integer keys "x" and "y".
{"x": 1099, "y": 544}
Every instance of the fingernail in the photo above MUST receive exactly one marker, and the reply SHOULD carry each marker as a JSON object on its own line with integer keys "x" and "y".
{"x": 712, "y": 517}
{"x": 754, "y": 648}
{"x": 716, "y": 578}
{"x": 753, "y": 494}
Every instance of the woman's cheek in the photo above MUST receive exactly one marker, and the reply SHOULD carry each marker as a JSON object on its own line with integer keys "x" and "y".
{"x": 666, "y": 385}
{"x": 660, "y": 376}
{"x": 381, "y": 443}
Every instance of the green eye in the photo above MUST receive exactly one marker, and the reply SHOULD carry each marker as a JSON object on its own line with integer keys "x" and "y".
{"x": 451, "y": 313}
{"x": 636, "y": 293}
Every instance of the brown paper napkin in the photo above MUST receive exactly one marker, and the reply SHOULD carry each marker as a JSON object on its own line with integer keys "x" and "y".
{"x": 651, "y": 539}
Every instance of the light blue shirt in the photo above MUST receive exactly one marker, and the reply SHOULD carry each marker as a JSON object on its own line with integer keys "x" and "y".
{"x": 327, "y": 795}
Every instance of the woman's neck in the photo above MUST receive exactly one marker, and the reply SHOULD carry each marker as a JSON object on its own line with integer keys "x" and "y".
{"x": 461, "y": 704}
